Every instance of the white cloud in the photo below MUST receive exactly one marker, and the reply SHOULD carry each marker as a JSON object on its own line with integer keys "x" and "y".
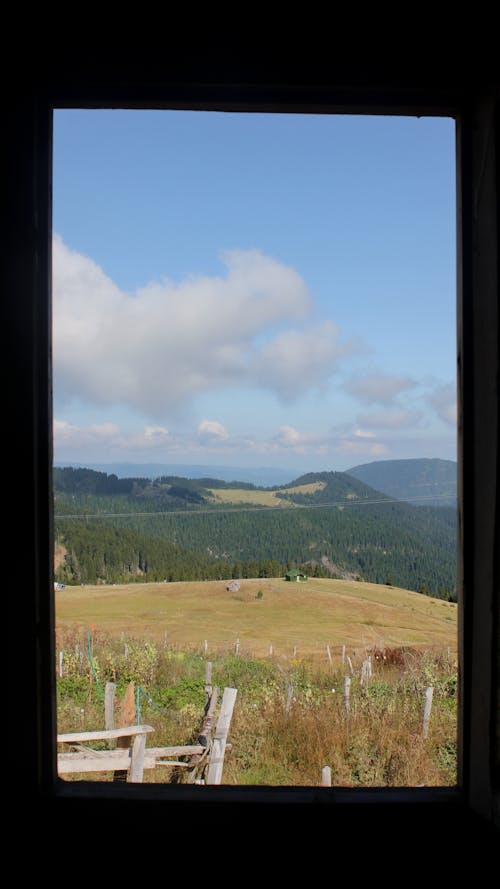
{"x": 290, "y": 437}
{"x": 70, "y": 436}
{"x": 298, "y": 360}
{"x": 444, "y": 402}
{"x": 157, "y": 434}
{"x": 378, "y": 388}
{"x": 156, "y": 349}
{"x": 210, "y": 436}
{"x": 212, "y": 431}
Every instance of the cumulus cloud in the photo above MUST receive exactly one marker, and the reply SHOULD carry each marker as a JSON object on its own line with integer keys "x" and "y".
{"x": 289, "y": 437}
{"x": 209, "y": 436}
{"x": 444, "y": 402}
{"x": 156, "y": 349}
{"x": 299, "y": 360}
{"x": 157, "y": 434}
{"x": 378, "y": 388}
{"x": 70, "y": 435}
{"x": 212, "y": 431}
{"x": 390, "y": 419}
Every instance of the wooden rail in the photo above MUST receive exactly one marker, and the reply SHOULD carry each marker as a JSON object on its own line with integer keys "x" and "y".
{"x": 133, "y": 757}
{"x": 84, "y": 759}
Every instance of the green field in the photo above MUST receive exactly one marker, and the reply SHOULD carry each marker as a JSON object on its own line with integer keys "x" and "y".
{"x": 306, "y": 616}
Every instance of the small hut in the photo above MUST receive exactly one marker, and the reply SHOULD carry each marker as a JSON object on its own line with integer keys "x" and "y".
{"x": 233, "y": 586}
{"x": 295, "y": 576}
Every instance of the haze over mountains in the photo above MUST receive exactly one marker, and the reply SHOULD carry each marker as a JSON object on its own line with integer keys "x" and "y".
{"x": 429, "y": 481}
{"x": 262, "y": 475}
{"x": 421, "y": 480}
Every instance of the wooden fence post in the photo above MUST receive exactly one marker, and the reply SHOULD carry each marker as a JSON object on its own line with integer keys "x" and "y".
{"x": 216, "y": 764}
{"x": 329, "y": 654}
{"x": 208, "y": 679}
{"x": 271, "y": 649}
{"x": 326, "y": 776}
{"x": 237, "y": 647}
{"x": 347, "y": 694}
{"x": 366, "y": 671}
{"x": 350, "y": 664}
{"x": 126, "y": 718}
{"x": 289, "y": 696}
{"x": 109, "y": 705}
{"x": 137, "y": 760}
{"x": 429, "y": 692}
{"x": 61, "y": 659}
{"x": 343, "y": 655}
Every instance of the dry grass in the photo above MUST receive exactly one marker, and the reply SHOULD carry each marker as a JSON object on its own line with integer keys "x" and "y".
{"x": 311, "y": 488}
{"x": 263, "y": 498}
{"x": 304, "y": 617}
{"x": 240, "y": 495}
{"x": 290, "y": 718}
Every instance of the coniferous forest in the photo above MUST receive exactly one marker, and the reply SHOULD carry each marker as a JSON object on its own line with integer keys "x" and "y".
{"x": 114, "y": 530}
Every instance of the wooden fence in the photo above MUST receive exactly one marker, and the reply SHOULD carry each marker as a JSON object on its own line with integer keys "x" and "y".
{"x": 204, "y": 760}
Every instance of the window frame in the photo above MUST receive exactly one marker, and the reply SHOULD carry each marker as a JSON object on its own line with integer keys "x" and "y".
{"x": 29, "y": 281}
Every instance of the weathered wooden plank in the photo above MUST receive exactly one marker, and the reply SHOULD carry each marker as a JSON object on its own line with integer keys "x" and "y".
{"x": 326, "y": 776}
{"x": 178, "y": 763}
{"x": 185, "y": 750}
{"x": 83, "y": 762}
{"x": 105, "y": 734}
{"x": 109, "y": 705}
{"x": 111, "y": 760}
{"x": 127, "y": 716}
{"x": 208, "y": 719}
{"x": 216, "y": 762}
{"x": 137, "y": 760}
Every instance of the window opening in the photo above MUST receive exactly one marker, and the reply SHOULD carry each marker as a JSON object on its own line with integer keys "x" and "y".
{"x": 255, "y": 447}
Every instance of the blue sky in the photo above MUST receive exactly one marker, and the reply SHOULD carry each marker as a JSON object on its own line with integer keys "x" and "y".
{"x": 253, "y": 290}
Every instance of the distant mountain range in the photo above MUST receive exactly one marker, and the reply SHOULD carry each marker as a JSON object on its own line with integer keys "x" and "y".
{"x": 420, "y": 481}
{"x": 182, "y": 528}
{"x": 265, "y": 476}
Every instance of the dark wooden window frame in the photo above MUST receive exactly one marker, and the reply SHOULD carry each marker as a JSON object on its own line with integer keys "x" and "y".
{"x": 28, "y": 277}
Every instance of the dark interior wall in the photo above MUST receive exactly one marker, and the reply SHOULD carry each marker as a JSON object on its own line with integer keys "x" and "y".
{"x": 91, "y": 77}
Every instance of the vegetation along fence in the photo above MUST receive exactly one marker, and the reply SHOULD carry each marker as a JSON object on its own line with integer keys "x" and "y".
{"x": 361, "y": 717}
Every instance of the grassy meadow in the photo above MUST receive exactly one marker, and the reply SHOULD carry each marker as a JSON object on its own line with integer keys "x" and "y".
{"x": 252, "y": 498}
{"x": 290, "y": 717}
{"x": 263, "y": 612}
{"x": 263, "y": 498}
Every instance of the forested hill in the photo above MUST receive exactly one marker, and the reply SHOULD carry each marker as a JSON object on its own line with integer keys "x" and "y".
{"x": 328, "y": 487}
{"x": 430, "y": 481}
{"x": 177, "y": 528}
{"x": 93, "y": 492}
